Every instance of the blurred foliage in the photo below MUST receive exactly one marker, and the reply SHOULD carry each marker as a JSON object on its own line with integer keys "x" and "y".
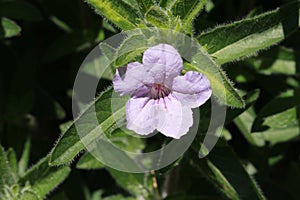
{"x": 44, "y": 42}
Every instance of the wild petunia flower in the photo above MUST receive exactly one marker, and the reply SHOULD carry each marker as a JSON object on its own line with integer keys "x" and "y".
{"x": 161, "y": 99}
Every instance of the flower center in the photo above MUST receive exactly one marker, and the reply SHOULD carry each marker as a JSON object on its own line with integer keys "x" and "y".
{"x": 159, "y": 90}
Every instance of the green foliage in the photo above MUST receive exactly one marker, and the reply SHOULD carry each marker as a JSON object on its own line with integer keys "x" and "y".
{"x": 157, "y": 16}
{"x": 223, "y": 169}
{"x": 278, "y": 60}
{"x": 88, "y": 161}
{"x": 24, "y": 160}
{"x": 43, "y": 179}
{"x": 243, "y": 38}
{"x": 116, "y": 11}
{"x": 145, "y": 5}
{"x": 70, "y": 143}
{"x": 19, "y": 183}
{"x": 8, "y": 28}
{"x": 187, "y": 11}
{"x": 7, "y": 175}
{"x": 39, "y": 63}
{"x": 138, "y": 185}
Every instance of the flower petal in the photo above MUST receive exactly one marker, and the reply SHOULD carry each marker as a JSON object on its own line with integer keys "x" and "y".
{"x": 141, "y": 116}
{"x": 174, "y": 119}
{"x": 166, "y": 55}
{"x": 136, "y": 79}
{"x": 193, "y": 89}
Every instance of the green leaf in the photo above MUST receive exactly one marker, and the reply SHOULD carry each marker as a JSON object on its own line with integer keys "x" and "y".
{"x": 280, "y": 112}
{"x": 187, "y": 10}
{"x": 158, "y": 17}
{"x": 250, "y": 35}
{"x": 244, "y": 123}
{"x": 278, "y": 60}
{"x": 145, "y": 5}
{"x": 131, "y": 3}
{"x": 215, "y": 176}
{"x": 250, "y": 99}
{"x": 94, "y": 66}
{"x": 278, "y": 120}
{"x": 116, "y": 11}
{"x": 24, "y": 160}
{"x": 70, "y": 144}
{"x": 130, "y": 48}
{"x": 43, "y": 178}
{"x": 223, "y": 169}
{"x": 118, "y": 138}
{"x": 275, "y": 136}
{"x": 8, "y": 28}
{"x": 108, "y": 51}
{"x": 88, "y": 161}
{"x": 12, "y": 160}
{"x": 138, "y": 185}
{"x": 118, "y": 197}
{"x": 20, "y": 10}
{"x": 30, "y": 195}
{"x": 7, "y": 176}
{"x": 165, "y": 3}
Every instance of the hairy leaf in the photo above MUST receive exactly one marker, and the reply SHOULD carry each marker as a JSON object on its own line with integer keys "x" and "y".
{"x": 187, "y": 11}
{"x": 116, "y": 11}
{"x": 158, "y": 17}
{"x": 12, "y": 160}
{"x": 242, "y": 38}
{"x": 145, "y": 5}
{"x": 43, "y": 178}
{"x": 7, "y": 176}
{"x": 70, "y": 143}
{"x": 24, "y": 160}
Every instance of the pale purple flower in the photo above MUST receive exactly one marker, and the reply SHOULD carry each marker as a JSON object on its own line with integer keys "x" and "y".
{"x": 161, "y": 99}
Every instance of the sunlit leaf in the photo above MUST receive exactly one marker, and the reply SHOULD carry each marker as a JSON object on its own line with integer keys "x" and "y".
{"x": 70, "y": 144}
{"x": 187, "y": 11}
{"x": 8, "y": 28}
{"x": 88, "y": 161}
{"x": 24, "y": 160}
{"x": 12, "y": 160}
{"x": 243, "y": 38}
{"x": 278, "y": 60}
{"x": 30, "y": 195}
{"x": 43, "y": 178}
{"x": 244, "y": 123}
{"x": 145, "y": 5}
{"x": 158, "y": 17}
{"x": 138, "y": 185}
{"x": 7, "y": 176}
{"x": 116, "y": 11}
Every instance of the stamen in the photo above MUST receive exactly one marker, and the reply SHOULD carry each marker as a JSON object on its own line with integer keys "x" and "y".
{"x": 159, "y": 90}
